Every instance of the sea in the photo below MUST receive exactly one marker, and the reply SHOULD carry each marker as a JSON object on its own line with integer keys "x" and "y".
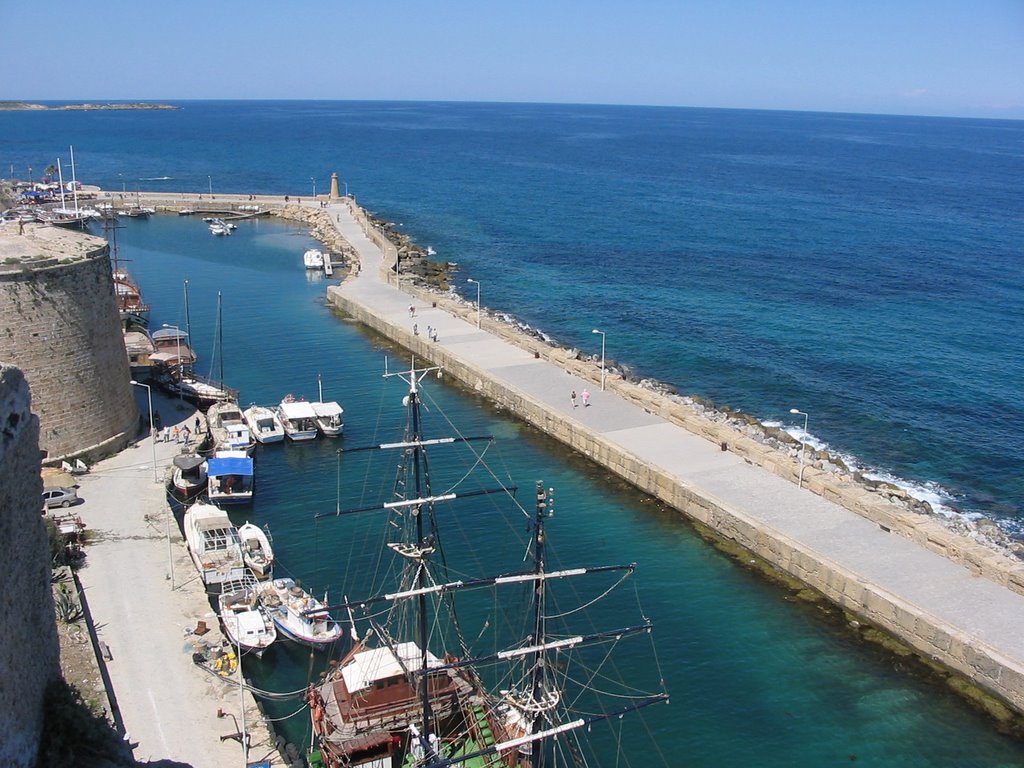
{"x": 863, "y": 269}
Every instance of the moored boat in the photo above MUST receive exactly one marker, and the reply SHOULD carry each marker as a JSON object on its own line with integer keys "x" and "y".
{"x": 189, "y": 475}
{"x": 257, "y": 551}
{"x": 213, "y": 544}
{"x": 328, "y": 418}
{"x": 264, "y": 424}
{"x": 228, "y": 431}
{"x": 298, "y": 419}
{"x": 298, "y": 615}
{"x": 416, "y": 690}
{"x": 313, "y": 259}
{"x": 230, "y": 477}
{"x": 245, "y": 621}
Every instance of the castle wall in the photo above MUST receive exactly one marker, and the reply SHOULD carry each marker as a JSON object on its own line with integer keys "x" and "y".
{"x": 29, "y": 648}
{"x": 61, "y": 328}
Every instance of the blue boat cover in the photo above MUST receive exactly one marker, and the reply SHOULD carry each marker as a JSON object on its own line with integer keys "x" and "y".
{"x": 229, "y": 466}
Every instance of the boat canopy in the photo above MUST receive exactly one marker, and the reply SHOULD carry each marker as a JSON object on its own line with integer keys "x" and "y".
{"x": 327, "y": 409}
{"x": 376, "y": 664}
{"x": 300, "y": 409}
{"x": 187, "y": 463}
{"x": 229, "y": 466}
{"x": 168, "y": 333}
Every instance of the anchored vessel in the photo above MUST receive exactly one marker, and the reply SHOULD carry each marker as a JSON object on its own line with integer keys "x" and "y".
{"x": 414, "y": 690}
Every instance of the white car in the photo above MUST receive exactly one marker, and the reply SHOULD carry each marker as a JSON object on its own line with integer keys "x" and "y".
{"x": 59, "y": 497}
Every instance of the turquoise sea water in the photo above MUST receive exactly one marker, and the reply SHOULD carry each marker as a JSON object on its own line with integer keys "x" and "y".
{"x": 864, "y": 269}
{"x": 755, "y": 678}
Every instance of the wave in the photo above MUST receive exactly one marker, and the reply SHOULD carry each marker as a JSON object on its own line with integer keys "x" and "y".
{"x": 158, "y": 178}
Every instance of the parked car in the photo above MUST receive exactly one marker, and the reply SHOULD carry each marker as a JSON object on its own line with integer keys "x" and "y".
{"x": 59, "y": 497}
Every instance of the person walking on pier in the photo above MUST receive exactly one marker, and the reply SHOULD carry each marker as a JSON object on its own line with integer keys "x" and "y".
{"x": 573, "y": 398}
{"x": 585, "y": 397}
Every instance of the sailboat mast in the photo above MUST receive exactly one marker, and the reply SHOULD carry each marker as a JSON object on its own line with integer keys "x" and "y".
{"x": 188, "y": 322}
{"x": 539, "y": 629}
{"x": 74, "y": 181}
{"x": 60, "y": 177}
{"x": 421, "y": 576}
{"x": 220, "y": 338}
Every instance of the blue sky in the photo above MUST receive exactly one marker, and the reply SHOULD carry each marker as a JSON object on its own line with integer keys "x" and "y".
{"x": 962, "y": 58}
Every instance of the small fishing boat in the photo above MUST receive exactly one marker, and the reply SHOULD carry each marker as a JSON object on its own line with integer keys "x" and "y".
{"x": 313, "y": 259}
{"x": 189, "y": 476}
{"x": 213, "y": 544}
{"x": 298, "y": 418}
{"x": 298, "y": 615}
{"x": 228, "y": 431}
{"x": 264, "y": 424}
{"x": 328, "y": 414}
{"x": 218, "y": 227}
{"x": 245, "y": 621}
{"x": 230, "y": 478}
{"x": 256, "y": 550}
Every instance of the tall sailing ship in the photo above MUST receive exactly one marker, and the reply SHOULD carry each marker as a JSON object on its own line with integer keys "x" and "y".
{"x": 414, "y": 689}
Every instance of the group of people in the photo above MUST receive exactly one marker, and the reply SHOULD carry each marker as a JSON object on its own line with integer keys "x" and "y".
{"x": 584, "y": 396}
{"x": 176, "y": 434}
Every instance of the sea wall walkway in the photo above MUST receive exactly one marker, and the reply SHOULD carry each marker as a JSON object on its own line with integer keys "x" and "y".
{"x": 941, "y": 608}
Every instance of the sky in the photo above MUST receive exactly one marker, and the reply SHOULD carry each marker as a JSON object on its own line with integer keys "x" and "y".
{"x": 961, "y": 58}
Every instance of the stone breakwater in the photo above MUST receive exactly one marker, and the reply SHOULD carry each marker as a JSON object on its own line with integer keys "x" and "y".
{"x": 979, "y": 545}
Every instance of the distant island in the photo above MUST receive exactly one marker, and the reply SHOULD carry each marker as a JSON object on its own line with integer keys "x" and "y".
{"x": 25, "y": 105}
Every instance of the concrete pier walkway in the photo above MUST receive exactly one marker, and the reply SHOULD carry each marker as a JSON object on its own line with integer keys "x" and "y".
{"x": 939, "y": 607}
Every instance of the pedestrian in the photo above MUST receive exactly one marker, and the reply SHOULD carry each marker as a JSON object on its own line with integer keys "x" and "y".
{"x": 165, "y": 435}
{"x": 412, "y": 310}
{"x": 430, "y": 332}
{"x": 157, "y": 422}
{"x": 185, "y": 435}
{"x": 434, "y": 337}
{"x": 573, "y": 398}
{"x": 585, "y": 397}
{"x": 415, "y": 329}
{"x": 174, "y": 432}
{"x": 199, "y": 425}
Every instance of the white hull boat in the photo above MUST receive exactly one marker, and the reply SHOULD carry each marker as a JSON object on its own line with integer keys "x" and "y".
{"x": 328, "y": 418}
{"x": 228, "y": 430}
{"x": 213, "y": 544}
{"x": 256, "y": 550}
{"x": 264, "y": 424}
{"x": 230, "y": 478}
{"x": 246, "y": 623}
{"x": 313, "y": 259}
{"x": 298, "y": 615}
{"x": 298, "y": 419}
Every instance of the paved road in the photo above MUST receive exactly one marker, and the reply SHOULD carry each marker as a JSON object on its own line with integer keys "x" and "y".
{"x": 972, "y": 606}
{"x": 169, "y": 705}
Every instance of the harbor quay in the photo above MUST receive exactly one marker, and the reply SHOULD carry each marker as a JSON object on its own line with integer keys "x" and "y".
{"x": 956, "y": 604}
{"x": 151, "y": 612}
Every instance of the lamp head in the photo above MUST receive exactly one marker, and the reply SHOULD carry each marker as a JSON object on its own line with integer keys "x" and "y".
{"x": 596, "y": 331}
{"x": 793, "y": 410}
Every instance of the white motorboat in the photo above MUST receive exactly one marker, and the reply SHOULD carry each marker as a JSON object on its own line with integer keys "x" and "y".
{"x": 328, "y": 418}
{"x": 189, "y": 476}
{"x": 328, "y": 414}
{"x": 228, "y": 431}
{"x": 218, "y": 227}
{"x": 245, "y": 621}
{"x": 230, "y": 478}
{"x": 298, "y": 615}
{"x": 213, "y": 544}
{"x": 313, "y": 259}
{"x": 256, "y": 550}
{"x": 298, "y": 418}
{"x": 264, "y": 424}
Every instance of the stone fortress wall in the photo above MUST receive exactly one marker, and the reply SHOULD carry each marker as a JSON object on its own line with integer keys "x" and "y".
{"x": 29, "y": 649}
{"x": 61, "y": 327}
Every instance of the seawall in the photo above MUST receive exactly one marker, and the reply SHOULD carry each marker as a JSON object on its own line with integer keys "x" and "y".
{"x": 946, "y": 642}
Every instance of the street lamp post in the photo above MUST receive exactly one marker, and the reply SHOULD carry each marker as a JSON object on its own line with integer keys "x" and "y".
{"x": 121, "y": 176}
{"x": 156, "y": 478}
{"x": 209, "y": 183}
{"x": 602, "y": 356}
{"x": 314, "y": 186}
{"x": 346, "y": 188}
{"x": 152, "y": 426}
{"x": 477, "y": 282}
{"x": 803, "y": 445}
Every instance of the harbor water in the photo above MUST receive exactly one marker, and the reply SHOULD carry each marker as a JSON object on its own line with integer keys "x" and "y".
{"x": 864, "y": 269}
{"x": 755, "y": 677}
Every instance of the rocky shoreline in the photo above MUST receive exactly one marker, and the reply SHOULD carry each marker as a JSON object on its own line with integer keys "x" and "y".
{"x": 431, "y": 280}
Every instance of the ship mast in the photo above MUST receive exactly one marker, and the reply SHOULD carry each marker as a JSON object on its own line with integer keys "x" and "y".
{"x": 539, "y": 658}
